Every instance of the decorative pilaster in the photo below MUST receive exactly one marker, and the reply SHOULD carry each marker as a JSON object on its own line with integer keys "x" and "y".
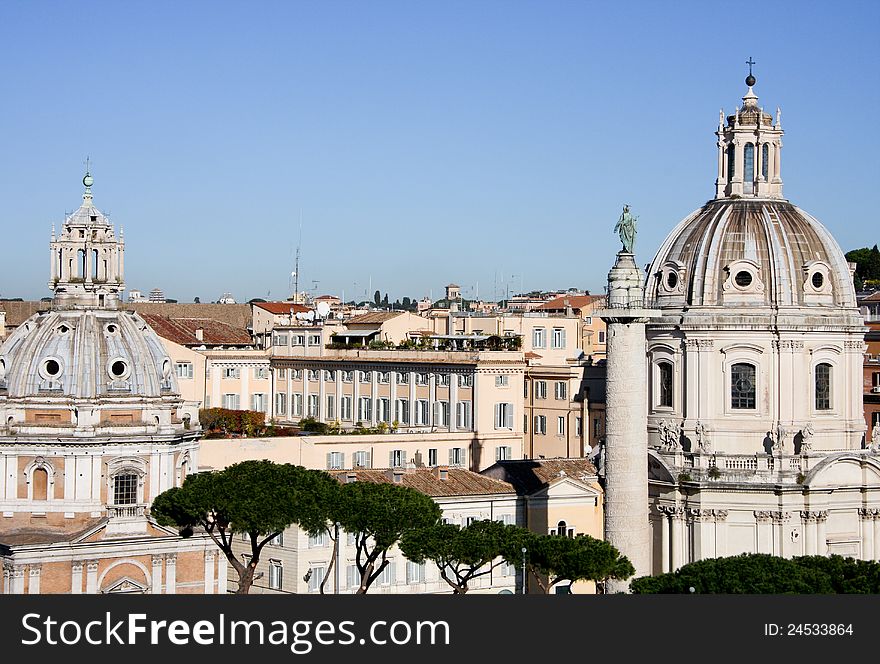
{"x": 156, "y": 578}
{"x": 209, "y": 572}
{"x": 764, "y": 532}
{"x": 34, "y": 579}
{"x": 92, "y": 577}
{"x": 171, "y": 574}
{"x": 76, "y": 577}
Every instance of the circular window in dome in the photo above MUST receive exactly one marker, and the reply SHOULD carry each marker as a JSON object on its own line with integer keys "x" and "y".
{"x": 818, "y": 280}
{"x": 52, "y": 368}
{"x": 63, "y": 328}
{"x": 743, "y": 279}
{"x": 118, "y": 368}
{"x": 112, "y": 328}
{"x": 671, "y": 280}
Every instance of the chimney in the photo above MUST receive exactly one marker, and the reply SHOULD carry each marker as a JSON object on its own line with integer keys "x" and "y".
{"x": 350, "y": 477}
{"x": 200, "y": 334}
{"x": 397, "y": 475}
{"x": 441, "y": 473}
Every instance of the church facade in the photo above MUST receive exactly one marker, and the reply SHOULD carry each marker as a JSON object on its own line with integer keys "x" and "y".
{"x": 92, "y": 428}
{"x": 756, "y": 438}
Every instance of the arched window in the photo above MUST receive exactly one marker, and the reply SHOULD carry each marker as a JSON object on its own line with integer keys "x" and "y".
{"x": 748, "y": 167}
{"x": 731, "y": 162}
{"x": 664, "y": 386}
{"x": 125, "y": 489}
{"x": 765, "y": 160}
{"x": 40, "y": 479}
{"x": 742, "y": 386}
{"x": 823, "y": 386}
{"x": 563, "y": 529}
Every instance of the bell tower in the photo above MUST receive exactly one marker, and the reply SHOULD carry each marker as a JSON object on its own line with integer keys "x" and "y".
{"x": 749, "y": 150}
{"x": 86, "y": 259}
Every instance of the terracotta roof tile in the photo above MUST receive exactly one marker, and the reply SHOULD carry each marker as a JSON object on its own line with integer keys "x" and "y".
{"x": 531, "y": 475}
{"x": 373, "y": 318}
{"x": 459, "y": 481}
{"x": 575, "y": 301}
{"x": 281, "y": 308}
{"x": 183, "y": 331}
{"x": 236, "y": 315}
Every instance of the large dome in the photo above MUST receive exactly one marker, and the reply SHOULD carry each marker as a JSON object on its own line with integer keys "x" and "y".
{"x": 86, "y": 354}
{"x": 736, "y": 252}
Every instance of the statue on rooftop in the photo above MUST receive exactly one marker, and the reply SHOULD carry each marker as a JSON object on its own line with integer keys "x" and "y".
{"x": 626, "y": 228}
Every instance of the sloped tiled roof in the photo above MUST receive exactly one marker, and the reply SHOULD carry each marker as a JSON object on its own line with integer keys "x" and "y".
{"x": 575, "y": 301}
{"x": 17, "y": 311}
{"x": 531, "y": 475}
{"x": 183, "y": 331}
{"x": 459, "y": 481}
{"x": 236, "y": 315}
{"x": 31, "y": 536}
{"x": 373, "y": 318}
{"x": 281, "y": 308}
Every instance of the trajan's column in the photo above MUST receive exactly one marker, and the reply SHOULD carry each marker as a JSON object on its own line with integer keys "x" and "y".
{"x": 626, "y": 409}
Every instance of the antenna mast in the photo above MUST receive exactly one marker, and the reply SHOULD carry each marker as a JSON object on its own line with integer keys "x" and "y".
{"x": 296, "y": 264}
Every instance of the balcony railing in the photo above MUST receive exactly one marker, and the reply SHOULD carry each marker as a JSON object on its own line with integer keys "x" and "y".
{"x": 126, "y": 511}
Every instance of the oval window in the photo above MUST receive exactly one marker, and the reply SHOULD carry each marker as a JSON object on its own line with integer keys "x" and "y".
{"x": 818, "y": 280}
{"x": 111, "y": 328}
{"x": 52, "y": 367}
{"x": 671, "y": 280}
{"x": 63, "y": 329}
{"x": 743, "y": 279}
{"x": 118, "y": 368}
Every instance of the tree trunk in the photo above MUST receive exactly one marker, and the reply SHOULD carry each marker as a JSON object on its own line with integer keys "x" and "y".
{"x": 245, "y": 580}
{"x": 330, "y": 566}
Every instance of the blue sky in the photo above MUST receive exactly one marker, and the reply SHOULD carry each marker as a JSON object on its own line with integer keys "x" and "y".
{"x": 488, "y": 143}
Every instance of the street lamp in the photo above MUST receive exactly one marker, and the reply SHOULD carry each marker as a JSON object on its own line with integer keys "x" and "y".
{"x": 336, "y": 562}
{"x": 524, "y": 571}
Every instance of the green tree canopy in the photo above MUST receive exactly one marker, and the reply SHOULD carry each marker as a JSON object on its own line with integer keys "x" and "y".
{"x": 553, "y": 559}
{"x": 759, "y": 573}
{"x": 257, "y": 498}
{"x": 462, "y": 554}
{"x": 378, "y": 516}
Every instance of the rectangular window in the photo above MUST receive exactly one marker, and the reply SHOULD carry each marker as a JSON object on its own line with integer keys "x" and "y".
{"x": 261, "y": 373}
{"x": 259, "y": 402}
{"x": 282, "y": 374}
{"x": 361, "y": 459}
{"x": 298, "y": 340}
{"x": 278, "y": 540}
{"x": 539, "y": 337}
{"x": 401, "y": 411}
{"x": 384, "y": 414}
{"x": 296, "y": 374}
{"x": 331, "y": 407}
{"x": 742, "y": 386}
{"x": 231, "y": 372}
{"x": 184, "y": 370}
{"x": 383, "y": 377}
{"x": 347, "y": 376}
{"x": 442, "y": 380}
{"x": 388, "y": 575}
{"x": 335, "y": 460}
{"x": 317, "y": 541}
{"x": 316, "y": 576}
{"x": 463, "y": 415}
{"x": 501, "y": 381}
{"x": 502, "y": 453}
{"x": 578, "y": 427}
{"x": 823, "y": 386}
{"x": 540, "y": 424}
{"x": 352, "y": 576}
{"x": 279, "y": 340}
{"x": 432, "y": 456}
{"x": 540, "y": 389}
{"x": 561, "y": 391}
{"x": 281, "y": 404}
{"x": 276, "y": 570}
{"x": 557, "y": 340}
{"x": 313, "y": 405}
{"x": 456, "y": 456}
{"x": 504, "y": 416}
{"x": 601, "y": 336}
{"x": 415, "y": 572}
{"x": 297, "y": 405}
{"x": 397, "y": 458}
{"x": 442, "y": 414}
{"x": 596, "y": 431}
{"x": 421, "y": 379}
{"x": 366, "y": 376}
{"x": 125, "y": 489}
{"x": 313, "y": 374}
{"x": 466, "y": 380}
{"x": 365, "y": 409}
{"x": 422, "y": 413}
{"x": 231, "y": 401}
{"x": 402, "y": 378}
{"x": 330, "y": 375}
{"x": 345, "y": 408}
{"x": 560, "y": 425}
{"x": 314, "y": 340}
